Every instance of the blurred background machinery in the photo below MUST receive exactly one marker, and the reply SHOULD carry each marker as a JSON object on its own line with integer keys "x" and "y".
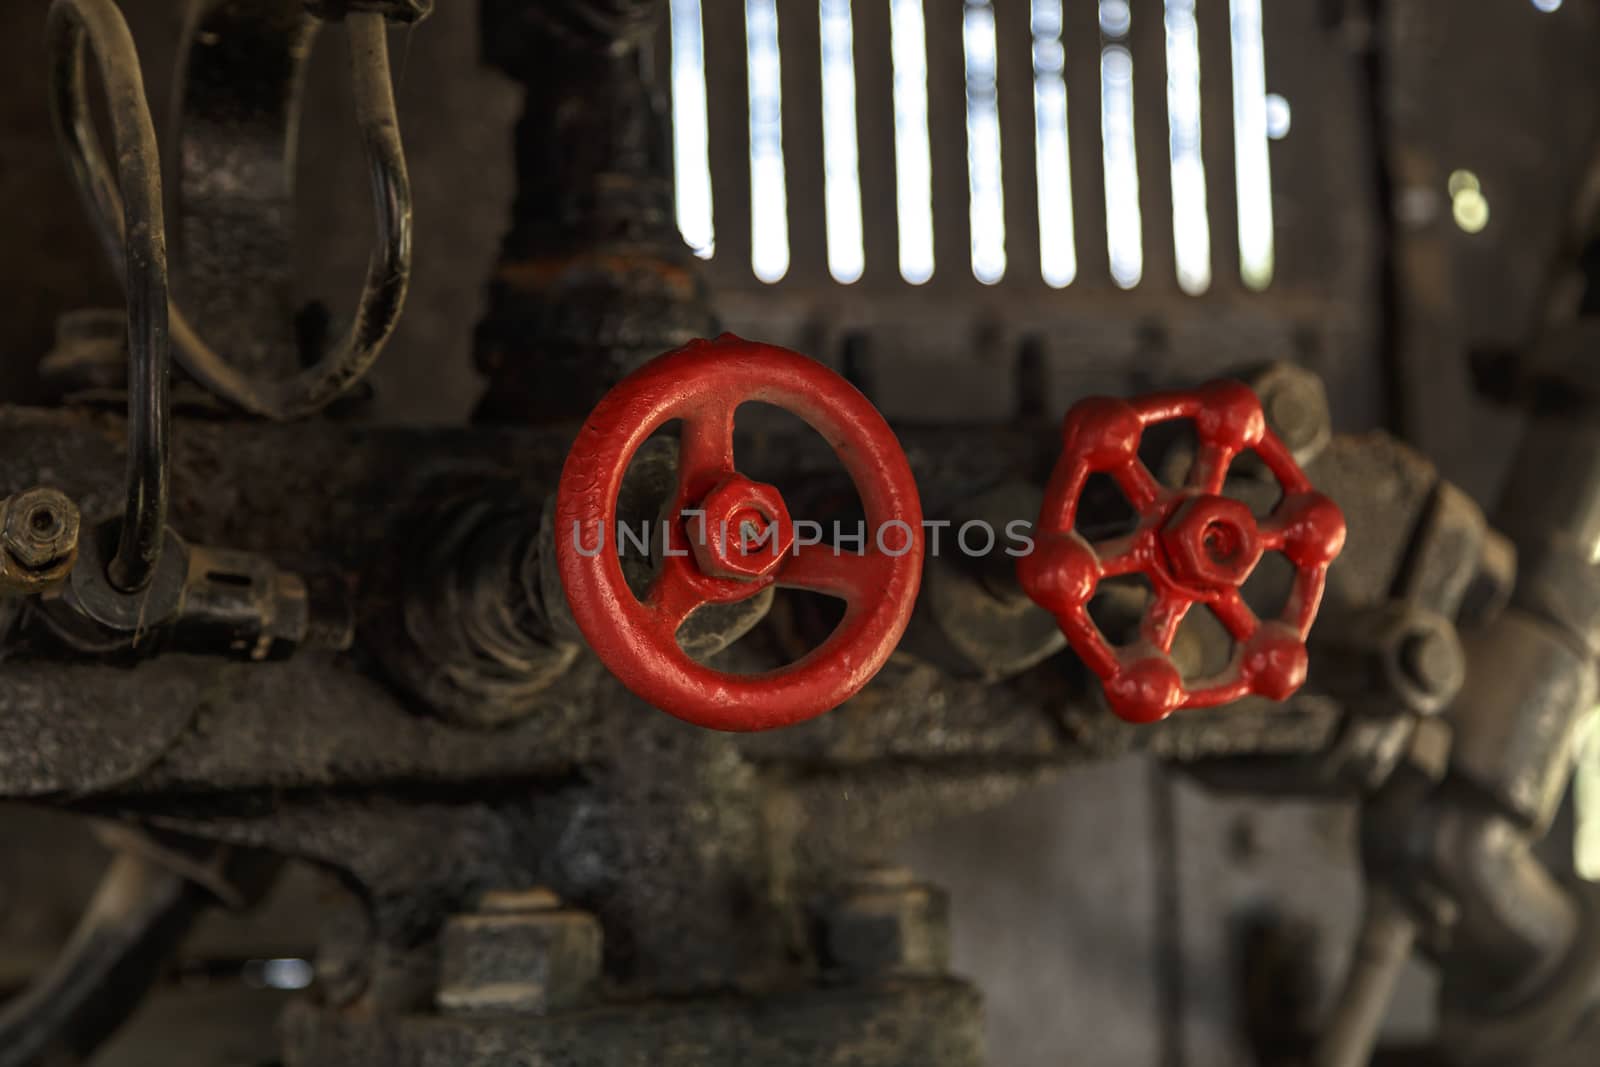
{"x": 305, "y": 705}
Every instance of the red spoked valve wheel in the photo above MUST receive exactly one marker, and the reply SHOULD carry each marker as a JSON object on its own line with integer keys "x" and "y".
{"x": 1194, "y": 545}
{"x": 728, "y": 537}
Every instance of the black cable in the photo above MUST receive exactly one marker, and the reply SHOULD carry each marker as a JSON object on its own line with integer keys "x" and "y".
{"x": 133, "y": 231}
{"x": 388, "y": 270}
{"x": 139, "y": 914}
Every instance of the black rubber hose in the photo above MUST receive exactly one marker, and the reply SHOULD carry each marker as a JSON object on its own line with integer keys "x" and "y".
{"x": 388, "y": 270}
{"x": 139, "y": 914}
{"x": 135, "y": 241}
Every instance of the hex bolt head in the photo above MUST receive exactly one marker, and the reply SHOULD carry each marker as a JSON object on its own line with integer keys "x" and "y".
{"x": 746, "y": 532}
{"x": 1423, "y": 659}
{"x": 1211, "y": 542}
{"x": 1433, "y": 661}
{"x": 887, "y": 924}
{"x": 507, "y": 959}
{"x": 40, "y": 529}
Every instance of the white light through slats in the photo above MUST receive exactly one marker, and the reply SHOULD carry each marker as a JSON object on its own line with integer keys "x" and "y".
{"x": 913, "y": 167}
{"x": 840, "y": 155}
{"x": 1124, "y": 227}
{"x": 1251, "y": 162}
{"x": 691, "y": 157}
{"x": 1058, "y": 254}
{"x": 769, "y": 209}
{"x": 985, "y": 197}
{"x": 1191, "y": 228}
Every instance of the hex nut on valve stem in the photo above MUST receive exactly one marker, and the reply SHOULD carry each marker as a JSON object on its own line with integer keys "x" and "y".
{"x": 39, "y": 535}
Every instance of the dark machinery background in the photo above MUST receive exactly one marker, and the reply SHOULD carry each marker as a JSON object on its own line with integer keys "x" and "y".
{"x": 1121, "y": 910}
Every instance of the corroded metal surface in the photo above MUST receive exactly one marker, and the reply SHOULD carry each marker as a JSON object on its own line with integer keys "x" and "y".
{"x": 328, "y": 498}
{"x": 893, "y": 1025}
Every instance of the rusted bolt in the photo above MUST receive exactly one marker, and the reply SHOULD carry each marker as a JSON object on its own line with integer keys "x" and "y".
{"x": 40, "y": 532}
{"x": 885, "y": 923}
{"x": 521, "y": 951}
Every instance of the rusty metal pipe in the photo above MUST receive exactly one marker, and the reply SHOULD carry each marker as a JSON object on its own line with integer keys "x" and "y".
{"x": 1382, "y": 948}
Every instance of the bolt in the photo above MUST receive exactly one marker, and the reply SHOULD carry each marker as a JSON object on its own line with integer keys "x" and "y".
{"x": 521, "y": 951}
{"x": 41, "y": 528}
{"x": 885, "y": 923}
{"x": 743, "y": 530}
{"x": 1295, "y": 403}
{"x": 1289, "y": 412}
{"x": 1432, "y": 661}
{"x": 1211, "y": 542}
{"x": 518, "y": 901}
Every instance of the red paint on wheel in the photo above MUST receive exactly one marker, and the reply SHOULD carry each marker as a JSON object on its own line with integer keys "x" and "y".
{"x": 1195, "y": 546}
{"x": 702, "y": 384}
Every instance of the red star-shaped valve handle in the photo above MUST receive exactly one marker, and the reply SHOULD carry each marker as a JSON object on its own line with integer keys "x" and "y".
{"x": 1194, "y": 545}
{"x": 709, "y": 555}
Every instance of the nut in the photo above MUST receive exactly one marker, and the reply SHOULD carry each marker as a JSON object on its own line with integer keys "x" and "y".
{"x": 741, "y": 530}
{"x": 885, "y": 923}
{"x": 41, "y": 529}
{"x": 1295, "y": 402}
{"x": 1211, "y": 542}
{"x": 1433, "y": 660}
{"x": 522, "y": 952}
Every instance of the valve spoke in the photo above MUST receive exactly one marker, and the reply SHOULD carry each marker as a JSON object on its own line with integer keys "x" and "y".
{"x": 1139, "y": 485}
{"x": 676, "y": 592}
{"x": 705, "y": 446}
{"x": 849, "y": 576}
{"x": 1235, "y": 615}
{"x": 1163, "y": 618}
{"x": 1121, "y": 555}
{"x": 1210, "y": 468}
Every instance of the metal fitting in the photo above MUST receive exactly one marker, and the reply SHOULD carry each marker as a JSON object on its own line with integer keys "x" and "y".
{"x": 885, "y": 923}
{"x": 1489, "y": 590}
{"x": 39, "y": 535}
{"x": 740, "y": 530}
{"x": 1515, "y": 722}
{"x": 1397, "y": 658}
{"x": 473, "y": 636}
{"x": 1550, "y": 1015}
{"x": 1511, "y": 921}
{"x": 242, "y": 605}
{"x": 1295, "y": 404}
{"x": 209, "y": 601}
{"x": 521, "y": 951}
{"x": 972, "y": 618}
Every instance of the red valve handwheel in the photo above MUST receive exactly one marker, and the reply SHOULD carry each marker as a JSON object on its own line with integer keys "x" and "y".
{"x": 701, "y": 384}
{"x": 1193, "y": 544}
